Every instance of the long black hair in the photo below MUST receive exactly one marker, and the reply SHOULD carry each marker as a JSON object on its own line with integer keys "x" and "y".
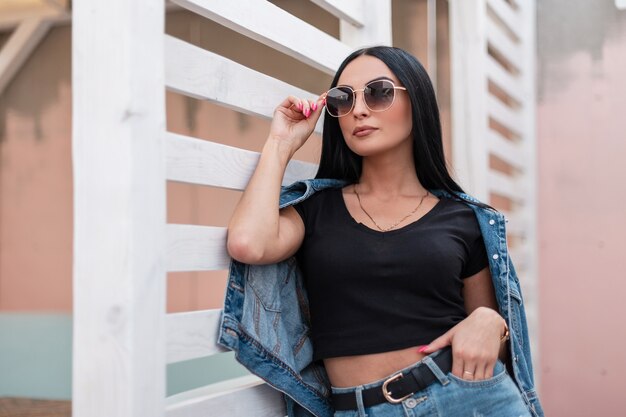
{"x": 339, "y": 161}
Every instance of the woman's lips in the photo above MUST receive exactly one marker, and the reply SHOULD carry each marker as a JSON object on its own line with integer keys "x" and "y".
{"x": 364, "y": 132}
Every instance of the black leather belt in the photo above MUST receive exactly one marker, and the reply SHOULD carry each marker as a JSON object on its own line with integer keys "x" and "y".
{"x": 397, "y": 387}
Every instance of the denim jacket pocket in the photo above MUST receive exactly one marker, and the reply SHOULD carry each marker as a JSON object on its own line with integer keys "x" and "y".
{"x": 266, "y": 285}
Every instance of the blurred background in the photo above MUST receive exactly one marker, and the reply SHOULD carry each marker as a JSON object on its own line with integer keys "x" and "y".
{"x": 556, "y": 112}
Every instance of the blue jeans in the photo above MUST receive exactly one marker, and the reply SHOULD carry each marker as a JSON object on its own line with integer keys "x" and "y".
{"x": 448, "y": 396}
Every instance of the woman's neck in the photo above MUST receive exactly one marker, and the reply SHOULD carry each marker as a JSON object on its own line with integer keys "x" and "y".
{"x": 388, "y": 177}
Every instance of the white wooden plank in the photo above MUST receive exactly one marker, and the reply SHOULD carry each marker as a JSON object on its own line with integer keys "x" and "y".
{"x": 510, "y": 152}
{"x": 202, "y": 74}
{"x": 119, "y": 209}
{"x": 376, "y": 29}
{"x": 351, "y": 11}
{"x": 198, "y": 161}
{"x": 196, "y": 248}
{"x": 504, "y": 79}
{"x": 273, "y": 26}
{"x": 18, "y": 48}
{"x": 509, "y": 16}
{"x": 506, "y": 186}
{"x": 241, "y": 397}
{"x": 511, "y": 51}
{"x": 192, "y": 335}
{"x": 510, "y": 118}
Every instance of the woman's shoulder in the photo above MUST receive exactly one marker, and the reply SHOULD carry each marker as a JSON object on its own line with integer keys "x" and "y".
{"x": 464, "y": 201}
{"x": 326, "y": 192}
{"x": 459, "y": 212}
{"x": 456, "y": 204}
{"x": 319, "y": 197}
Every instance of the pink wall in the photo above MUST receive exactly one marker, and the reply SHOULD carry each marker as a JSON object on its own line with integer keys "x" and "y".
{"x": 582, "y": 207}
{"x": 36, "y": 182}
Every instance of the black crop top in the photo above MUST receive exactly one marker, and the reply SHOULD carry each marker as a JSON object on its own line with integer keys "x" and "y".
{"x": 371, "y": 291}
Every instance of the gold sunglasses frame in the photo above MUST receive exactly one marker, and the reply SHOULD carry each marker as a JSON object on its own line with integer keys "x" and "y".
{"x": 395, "y": 87}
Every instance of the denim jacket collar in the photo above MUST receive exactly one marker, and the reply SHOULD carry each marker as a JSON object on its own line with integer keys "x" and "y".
{"x": 266, "y": 320}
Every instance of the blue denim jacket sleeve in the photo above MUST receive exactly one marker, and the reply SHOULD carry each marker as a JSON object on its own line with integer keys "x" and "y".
{"x": 266, "y": 321}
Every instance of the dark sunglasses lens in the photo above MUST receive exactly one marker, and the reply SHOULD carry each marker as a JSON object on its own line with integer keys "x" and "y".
{"x": 379, "y": 95}
{"x": 339, "y": 101}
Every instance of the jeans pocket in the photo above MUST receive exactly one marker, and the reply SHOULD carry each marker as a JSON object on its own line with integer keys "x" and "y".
{"x": 499, "y": 375}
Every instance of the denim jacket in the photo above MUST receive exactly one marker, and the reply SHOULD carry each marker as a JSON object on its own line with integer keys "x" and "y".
{"x": 266, "y": 320}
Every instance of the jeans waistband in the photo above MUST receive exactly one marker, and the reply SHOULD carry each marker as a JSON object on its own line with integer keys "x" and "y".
{"x": 383, "y": 379}
{"x": 398, "y": 386}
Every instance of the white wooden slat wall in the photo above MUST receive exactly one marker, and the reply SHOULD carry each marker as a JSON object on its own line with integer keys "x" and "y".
{"x": 123, "y": 157}
{"x": 493, "y": 43}
{"x": 194, "y": 72}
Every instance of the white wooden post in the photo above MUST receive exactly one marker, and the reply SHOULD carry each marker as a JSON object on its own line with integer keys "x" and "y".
{"x": 493, "y": 42}
{"x": 469, "y": 88}
{"x": 119, "y": 208}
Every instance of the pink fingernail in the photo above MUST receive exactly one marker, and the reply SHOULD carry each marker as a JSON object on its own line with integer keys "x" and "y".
{"x": 299, "y": 106}
{"x": 423, "y": 348}
{"x": 314, "y": 106}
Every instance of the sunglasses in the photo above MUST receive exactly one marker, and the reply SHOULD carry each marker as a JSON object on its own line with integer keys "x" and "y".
{"x": 379, "y": 96}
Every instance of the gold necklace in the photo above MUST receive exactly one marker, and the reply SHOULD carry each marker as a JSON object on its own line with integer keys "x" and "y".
{"x": 398, "y": 222}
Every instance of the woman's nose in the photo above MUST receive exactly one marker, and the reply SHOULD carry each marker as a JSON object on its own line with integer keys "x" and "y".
{"x": 359, "y": 104}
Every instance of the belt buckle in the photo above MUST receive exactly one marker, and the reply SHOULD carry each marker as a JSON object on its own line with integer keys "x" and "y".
{"x": 387, "y": 394}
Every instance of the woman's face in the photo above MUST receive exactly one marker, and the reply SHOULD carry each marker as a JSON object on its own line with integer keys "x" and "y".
{"x": 392, "y": 126}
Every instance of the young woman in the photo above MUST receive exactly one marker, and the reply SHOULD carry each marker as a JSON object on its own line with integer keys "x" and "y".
{"x": 404, "y": 313}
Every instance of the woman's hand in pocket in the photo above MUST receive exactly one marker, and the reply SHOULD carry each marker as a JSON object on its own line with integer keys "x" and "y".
{"x": 475, "y": 344}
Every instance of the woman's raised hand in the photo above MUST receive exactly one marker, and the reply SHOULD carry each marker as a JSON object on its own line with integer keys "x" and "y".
{"x": 294, "y": 120}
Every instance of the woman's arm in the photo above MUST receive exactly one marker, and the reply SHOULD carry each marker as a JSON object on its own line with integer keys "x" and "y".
{"x": 475, "y": 340}
{"x": 254, "y": 223}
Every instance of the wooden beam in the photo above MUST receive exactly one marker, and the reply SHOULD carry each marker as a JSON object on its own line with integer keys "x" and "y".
{"x": 507, "y": 14}
{"x": 509, "y": 49}
{"x": 202, "y": 162}
{"x": 274, "y": 27}
{"x": 196, "y": 248}
{"x": 509, "y": 151}
{"x": 239, "y": 397}
{"x": 351, "y": 11}
{"x": 11, "y": 19}
{"x": 193, "y": 334}
{"x": 205, "y": 75}
{"x": 19, "y": 47}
